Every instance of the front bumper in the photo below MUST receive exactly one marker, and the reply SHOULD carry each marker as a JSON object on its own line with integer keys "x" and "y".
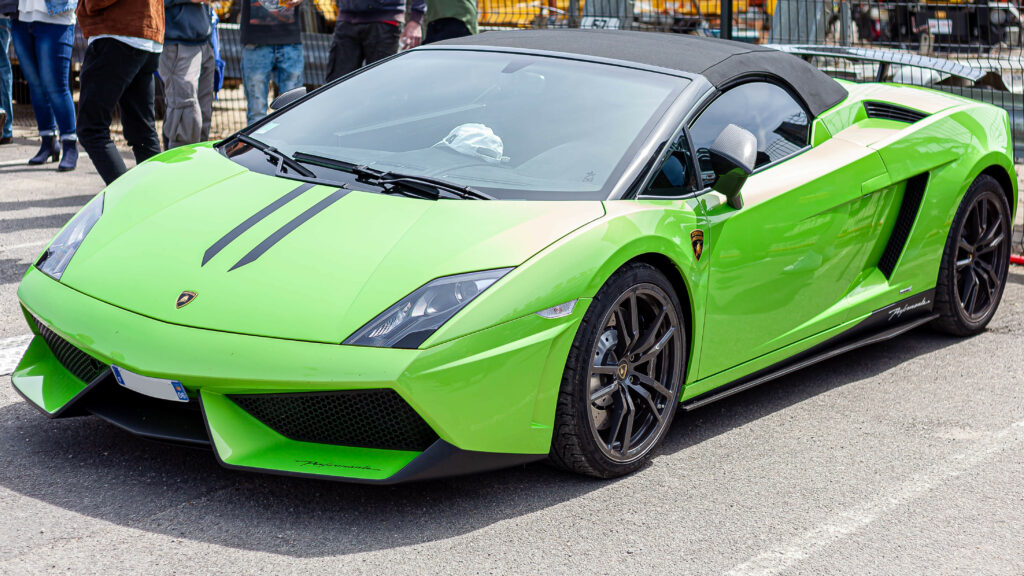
{"x": 489, "y": 396}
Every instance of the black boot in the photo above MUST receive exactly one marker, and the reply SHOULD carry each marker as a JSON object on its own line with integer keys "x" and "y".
{"x": 69, "y": 158}
{"x": 49, "y": 149}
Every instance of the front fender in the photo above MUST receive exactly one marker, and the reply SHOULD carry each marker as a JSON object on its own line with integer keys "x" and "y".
{"x": 580, "y": 263}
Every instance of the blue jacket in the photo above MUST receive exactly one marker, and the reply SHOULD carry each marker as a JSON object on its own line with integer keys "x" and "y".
{"x": 8, "y": 7}
{"x": 186, "y": 22}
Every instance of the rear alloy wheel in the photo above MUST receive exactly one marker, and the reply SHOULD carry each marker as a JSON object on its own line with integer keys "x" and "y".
{"x": 975, "y": 262}
{"x": 621, "y": 385}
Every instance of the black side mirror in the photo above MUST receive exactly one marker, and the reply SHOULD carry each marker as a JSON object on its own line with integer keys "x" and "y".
{"x": 288, "y": 97}
{"x": 733, "y": 156}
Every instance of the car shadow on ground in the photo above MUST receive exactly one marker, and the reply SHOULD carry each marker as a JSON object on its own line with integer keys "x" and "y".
{"x": 75, "y": 202}
{"x": 54, "y": 221}
{"x": 11, "y": 270}
{"x": 88, "y": 467}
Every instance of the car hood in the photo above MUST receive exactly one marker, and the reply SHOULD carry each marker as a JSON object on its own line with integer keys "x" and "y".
{"x": 326, "y": 262}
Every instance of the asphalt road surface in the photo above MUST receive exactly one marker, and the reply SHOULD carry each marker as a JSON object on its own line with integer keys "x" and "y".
{"x": 902, "y": 458}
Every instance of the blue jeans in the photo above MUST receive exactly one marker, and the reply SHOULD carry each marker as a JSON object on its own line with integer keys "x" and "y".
{"x": 283, "y": 61}
{"x": 5, "y": 78}
{"x": 44, "y": 53}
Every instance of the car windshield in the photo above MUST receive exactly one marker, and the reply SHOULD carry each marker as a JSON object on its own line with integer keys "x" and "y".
{"x": 511, "y": 125}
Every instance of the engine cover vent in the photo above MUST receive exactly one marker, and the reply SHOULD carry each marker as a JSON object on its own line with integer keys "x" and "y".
{"x": 886, "y": 111}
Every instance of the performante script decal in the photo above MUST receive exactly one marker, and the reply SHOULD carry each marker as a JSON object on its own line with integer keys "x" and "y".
{"x": 898, "y": 312}
{"x": 316, "y": 464}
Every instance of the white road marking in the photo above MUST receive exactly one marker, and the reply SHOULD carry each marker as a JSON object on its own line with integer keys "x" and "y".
{"x": 11, "y": 350}
{"x": 36, "y": 244}
{"x": 847, "y": 522}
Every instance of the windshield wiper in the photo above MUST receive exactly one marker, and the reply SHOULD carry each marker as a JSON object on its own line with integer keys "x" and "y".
{"x": 276, "y": 157}
{"x": 335, "y": 164}
{"x": 366, "y": 174}
{"x": 422, "y": 186}
{"x": 435, "y": 184}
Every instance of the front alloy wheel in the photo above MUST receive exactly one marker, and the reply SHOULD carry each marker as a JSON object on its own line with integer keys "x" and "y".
{"x": 623, "y": 377}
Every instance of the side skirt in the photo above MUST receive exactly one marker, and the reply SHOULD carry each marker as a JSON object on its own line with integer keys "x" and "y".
{"x": 883, "y": 324}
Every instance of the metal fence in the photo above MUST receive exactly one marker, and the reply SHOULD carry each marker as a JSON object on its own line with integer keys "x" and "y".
{"x": 986, "y": 36}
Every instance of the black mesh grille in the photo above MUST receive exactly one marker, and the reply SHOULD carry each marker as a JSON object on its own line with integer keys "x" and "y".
{"x": 892, "y": 112}
{"x": 363, "y": 418}
{"x": 912, "y": 196}
{"x": 84, "y": 367}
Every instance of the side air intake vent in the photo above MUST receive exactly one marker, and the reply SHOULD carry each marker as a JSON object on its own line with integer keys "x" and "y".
{"x": 911, "y": 205}
{"x": 365, "y": 418}
{"x": 892, "y": 112}
{"x": 84, "y": 367}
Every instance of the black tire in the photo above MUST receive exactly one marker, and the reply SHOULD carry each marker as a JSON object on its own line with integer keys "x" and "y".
{"x": 975, "y": 261}
{"x": 619, "y": 394}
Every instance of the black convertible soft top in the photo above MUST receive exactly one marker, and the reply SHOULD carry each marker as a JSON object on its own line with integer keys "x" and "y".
{"x": 720, "y": 61}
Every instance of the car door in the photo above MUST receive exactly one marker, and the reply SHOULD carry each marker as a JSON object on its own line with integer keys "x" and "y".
{"x": 781, "y": 265}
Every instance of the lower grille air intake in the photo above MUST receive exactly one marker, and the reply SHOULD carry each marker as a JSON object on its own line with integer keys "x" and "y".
{"x": 81, "y": 365}
{"x": 377, "y": 418}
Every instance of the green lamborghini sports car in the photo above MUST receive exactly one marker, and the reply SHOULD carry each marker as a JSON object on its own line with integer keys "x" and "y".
{"x": 512, "y": 247}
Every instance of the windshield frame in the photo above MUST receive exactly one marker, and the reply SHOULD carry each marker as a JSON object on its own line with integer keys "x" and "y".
{"x": 630, "y": 166}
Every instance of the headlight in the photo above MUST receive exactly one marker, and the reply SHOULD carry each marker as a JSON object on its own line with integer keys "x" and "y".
{"x": 414, "y": 318}
{"x": 56, "y": 258}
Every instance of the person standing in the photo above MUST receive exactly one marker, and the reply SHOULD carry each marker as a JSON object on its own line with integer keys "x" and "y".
{"x": 187, "y": 69}
{"x": 43, "y": 35}
{"x": 271, "y": 49}
{"x": 448, "y": 19}
{"x": 370, "y": 30}
{"x": 6, "y": 77}
{"x": 125, "y": 40}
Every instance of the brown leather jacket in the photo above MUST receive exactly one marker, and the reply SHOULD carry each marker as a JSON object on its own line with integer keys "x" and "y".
{"x": 135, "y": 18}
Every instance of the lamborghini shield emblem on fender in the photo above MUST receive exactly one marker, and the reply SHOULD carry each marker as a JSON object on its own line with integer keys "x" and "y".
{"x": 697, "y": 239}
{"x": 185, "y": 298}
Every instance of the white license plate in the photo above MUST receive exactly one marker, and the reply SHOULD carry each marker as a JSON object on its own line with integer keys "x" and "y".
{"x": 155, "y": 387}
